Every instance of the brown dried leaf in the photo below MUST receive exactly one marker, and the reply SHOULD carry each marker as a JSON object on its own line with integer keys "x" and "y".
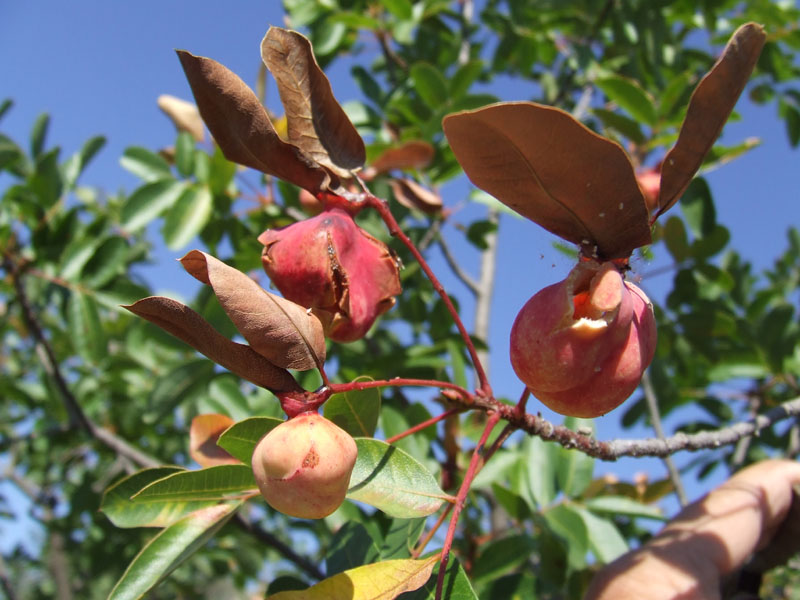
{"x": 285, "y": 333}
{"x": 709, "y": 107}
{"x": 188, "y": 326}
{"x": 203, "y": 435}
{"x": 415, "y": 154}
{"x": 242, "y": 128}
{"x": 317, "y": 123}
{"x": 184, "y": 115}
{"x": 416, "y": 197}
{"x": 548, "y": 167}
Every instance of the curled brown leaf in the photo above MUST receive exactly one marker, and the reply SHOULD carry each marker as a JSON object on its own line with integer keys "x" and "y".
{"x": 242, "y": 127}
{"x": 709, "y": 107}
{"x": 412, "y": 195}
{"x": 188, "y": 326}
{"x": 414, "y": 154}
{"x": 317, "y": 124}
{"x": 184, "y": 115}
{"x": 545, "y": 165}
{"x": 285, "y": 333}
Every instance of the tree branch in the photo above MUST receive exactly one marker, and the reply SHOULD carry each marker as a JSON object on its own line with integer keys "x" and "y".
{"x": 655, "y": 417}
{"x": 485, "y": 287}
{"x": 460, "y": 273}
{"x": 614, "y": 449}
{"x": 283, "y": 549}
{"x": 51, "y": 366}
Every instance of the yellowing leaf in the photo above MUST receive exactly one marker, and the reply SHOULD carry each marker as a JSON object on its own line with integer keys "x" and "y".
{"x": 380, "y": 581}
{"x": 203, "y": 435}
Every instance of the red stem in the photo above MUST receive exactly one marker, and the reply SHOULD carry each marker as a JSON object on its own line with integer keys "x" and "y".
{"x": 394, "y": 229}
{"x": 424, "y": 542}
{"x": 519, "y": 409}
{"x": 357, "y": 386}
{"x": 472, "y": 470}
{"x": 423, "y": 425}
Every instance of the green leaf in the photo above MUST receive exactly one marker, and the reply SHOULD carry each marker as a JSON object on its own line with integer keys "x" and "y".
{"x": 574, "y": 469}
{"x": 429, "y": 84}
{"x": 568, "y": 524}
{"x": 514, "y": 504}
{"x": 212, "y": 483}
{"x": 176, "y": 385}
{"x": 85, "y": 329}
{"x": 169, "y": 549}
{"x": 356, "y": 412}
{"x": 78, "y": 161}
{"x": 378, "y": 581}
{"x": 145, "y": 164}
{"x": 401, "y": 537}
{"x": 240, "y": 439}
{"x": 221, "y": 172}
{"x": 538, "y": 472}
{"x": 107, "y": 262}
{"x": 148, "y": 202}
{"x": 457, "y": 585}
{"x": 226, "y": 394}
{"x": 391, "y": 480}
{"x": 605, "y": 540}
{"x": 622, "y": 505}
{"x": 124, "y": 512}
{"x": 352, "y": 545}
{"x": 184, "y": 153}
{"x": 5, "y": 106}
{"x": 401, "y": 9}
{"x": 622, "y": 124}
{"x": 76, "y": 254}
{"x": 670, "y": 98}
{"x": 500, "y": 556}
{"x": 39, "y": 134}
{"x": 464, "y": 77}
{"x": 676, "y": 240}
{"x": 630, "y": 96}
{"x": 188, "y": 216}
{"x": 478, "y": 231}
{"x": 698, "y": 208}
{"x": 10, "y": 153}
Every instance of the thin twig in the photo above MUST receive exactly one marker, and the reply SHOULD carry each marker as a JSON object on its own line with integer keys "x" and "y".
{"x": 458, "y": 271}
{"x": 424, "y": 425}
{"x": 283, "y": 549}
{"x": 394, "y": 229}
{"x": 483, "y": 294}
{"x": 655, "y": 418}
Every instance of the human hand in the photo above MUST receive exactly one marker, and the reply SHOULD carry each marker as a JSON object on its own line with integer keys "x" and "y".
{"x": 709, "y": 540}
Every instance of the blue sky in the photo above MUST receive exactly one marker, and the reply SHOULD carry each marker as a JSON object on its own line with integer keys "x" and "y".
{"x": 97, "y": 67}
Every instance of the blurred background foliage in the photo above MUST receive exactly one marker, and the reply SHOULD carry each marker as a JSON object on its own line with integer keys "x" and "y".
{"x": 538, "y": 521}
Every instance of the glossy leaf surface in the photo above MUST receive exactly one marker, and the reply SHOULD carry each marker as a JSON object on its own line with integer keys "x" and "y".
{"x": 391, "y": 480}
